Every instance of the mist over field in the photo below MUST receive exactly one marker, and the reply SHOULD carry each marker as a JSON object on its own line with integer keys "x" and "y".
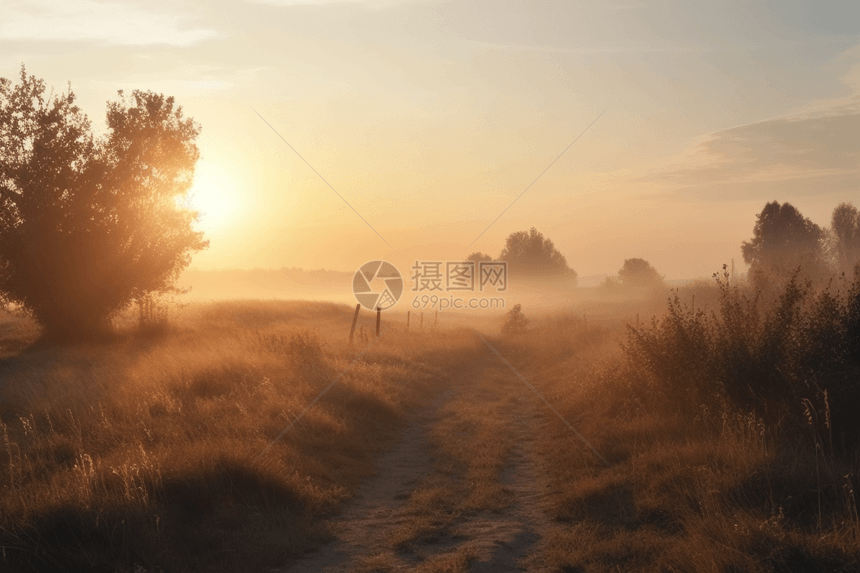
{"x": 429, "y": 285}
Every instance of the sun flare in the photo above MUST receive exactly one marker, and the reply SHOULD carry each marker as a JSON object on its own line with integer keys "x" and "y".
{"x": 215, "y": 197}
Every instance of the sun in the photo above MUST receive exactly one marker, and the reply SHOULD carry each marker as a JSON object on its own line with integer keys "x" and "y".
{"x": 215, "y": 196}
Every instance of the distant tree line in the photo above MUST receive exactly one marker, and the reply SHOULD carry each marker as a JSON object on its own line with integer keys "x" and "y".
{"x": 785, "y": 243}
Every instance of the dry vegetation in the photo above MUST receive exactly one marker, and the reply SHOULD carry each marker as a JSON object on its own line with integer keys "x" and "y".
{"x": 729, "y": 428}
{"x": 728, "y": 424}
{"x": 142, "y": 451}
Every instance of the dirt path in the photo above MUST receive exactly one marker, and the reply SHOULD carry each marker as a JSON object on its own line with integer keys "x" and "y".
{"x": 458, "y": 492}
{"x": 360, "y": 529}
{"x": 505, "y": 538}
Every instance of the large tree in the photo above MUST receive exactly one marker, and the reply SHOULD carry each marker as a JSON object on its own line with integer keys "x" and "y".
{"x": 783, "y": 241}
{"x": 530, "y": 253}
{"x": 88, "y": 224}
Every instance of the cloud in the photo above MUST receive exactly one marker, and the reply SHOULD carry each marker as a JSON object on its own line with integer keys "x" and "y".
{"x": 804, "y": 154}
{"x": 102, "y": 22}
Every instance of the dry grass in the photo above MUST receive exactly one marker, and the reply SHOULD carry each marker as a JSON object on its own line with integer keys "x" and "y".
{"x": 456, "y": 561}
{"x": 142, "y": 451}
{"x": 695, "y": 482}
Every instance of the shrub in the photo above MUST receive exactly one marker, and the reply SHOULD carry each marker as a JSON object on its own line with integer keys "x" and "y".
{"x": 770, "y": 358}
{"x": 516, "y": 323}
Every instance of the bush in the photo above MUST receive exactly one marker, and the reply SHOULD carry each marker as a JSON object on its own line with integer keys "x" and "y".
{"x": 516, "y": 323}
{"x": 772, "y": 359}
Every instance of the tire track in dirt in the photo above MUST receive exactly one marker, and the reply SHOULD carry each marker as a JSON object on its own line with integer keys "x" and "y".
{"x": 360, "y": 530}
{"x": 493, "y": 405}
{"x": 503, "y": 539}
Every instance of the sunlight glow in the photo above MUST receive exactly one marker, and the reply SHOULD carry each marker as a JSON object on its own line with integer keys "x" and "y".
{"x": 216, "y": 197}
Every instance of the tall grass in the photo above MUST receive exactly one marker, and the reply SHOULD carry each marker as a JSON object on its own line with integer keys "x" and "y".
{"x": 731, "y": 432}
{"x": 778, "y": 359}
{"x": 149, "y": 452}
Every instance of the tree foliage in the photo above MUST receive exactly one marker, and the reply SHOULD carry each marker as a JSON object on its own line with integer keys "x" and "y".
{"x": 611, "y": 284}
{"x": 479, "y": 257}
{"x": 638, "y": 273}
{"x": 783, "y": 240}
{"x": 89, "y": 225}
{"x": 845, "y": 228}
{"x": 516, "y": 322}
{"x": 529, "y": 252}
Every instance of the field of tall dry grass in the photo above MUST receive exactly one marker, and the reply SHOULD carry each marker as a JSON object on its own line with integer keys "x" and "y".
{"x": 151, "y": 451}
{"x": 725, "y": 428}
{"x": 729, "y": 424}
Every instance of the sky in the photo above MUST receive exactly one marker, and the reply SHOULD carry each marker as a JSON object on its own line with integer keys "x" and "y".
{"x": 339, "y": 132}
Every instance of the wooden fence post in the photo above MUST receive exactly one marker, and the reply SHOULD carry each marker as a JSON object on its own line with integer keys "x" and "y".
{"x": 378, "y": 318}
{"x": 354, "y": 320}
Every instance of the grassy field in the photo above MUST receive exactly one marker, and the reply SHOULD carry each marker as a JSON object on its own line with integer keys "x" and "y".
{"x": 725, "y": 429}
{"x": 708, "y": 468}
{"x": 148, "y": 450}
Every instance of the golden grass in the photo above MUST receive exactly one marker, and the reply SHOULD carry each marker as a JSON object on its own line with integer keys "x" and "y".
{"x": 715, "y": 489}
{"x": 145, "y": 451}
{"x": 456, "y": 561}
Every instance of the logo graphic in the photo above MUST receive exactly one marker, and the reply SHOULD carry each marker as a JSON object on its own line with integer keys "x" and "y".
{"x": 377, "y": 284}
